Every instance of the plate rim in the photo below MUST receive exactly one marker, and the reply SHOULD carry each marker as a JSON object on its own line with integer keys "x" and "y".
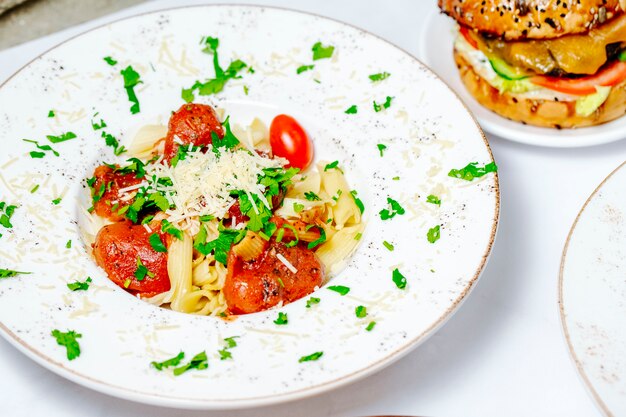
{"x": 212, "y": 404}
{"x": 543, "y": 138}
{"x": 577, "y": 362}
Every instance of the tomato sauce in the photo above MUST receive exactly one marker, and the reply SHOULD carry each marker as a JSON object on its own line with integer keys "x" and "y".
{"x": 116, "y": 250}
{"x": 191, "y": 124}
{"x": 266, "y": 281}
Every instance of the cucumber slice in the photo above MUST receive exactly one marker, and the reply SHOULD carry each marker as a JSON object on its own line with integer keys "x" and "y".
{"x": 506, "y": 71}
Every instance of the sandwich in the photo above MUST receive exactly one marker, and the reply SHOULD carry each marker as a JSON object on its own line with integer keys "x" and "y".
{"x": 550, "y": 63}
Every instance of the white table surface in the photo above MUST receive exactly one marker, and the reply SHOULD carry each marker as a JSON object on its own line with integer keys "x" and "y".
{"x": 502, "y": 354}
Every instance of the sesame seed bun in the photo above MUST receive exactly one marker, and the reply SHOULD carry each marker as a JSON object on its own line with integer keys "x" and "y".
{"x": 537, "y": 112}
{"x": 532, "y": 19}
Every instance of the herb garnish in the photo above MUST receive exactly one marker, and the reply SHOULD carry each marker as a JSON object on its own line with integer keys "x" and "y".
{"x": 198, "y": 362}
{"x": 34, "y": 154}
{"x": 131, "y": 80}
{"x": 398, "y": 279}
{"x": 380, "y": 76}
{"x": 332, "y": 165}
{"x": 157, "y": 243}
{"x": 68, "y": 339}
{"x": 433, "y": 199}
{"x": 360, "y": 311}
{"x": 312, "y": 301}
{"x": 379, "y": 107}
{"x": 168, "y": 227}
{"x": 34, "y": 189}
{"x": 6, "y": 212}
{"x": 51, "y": 113}
{"x": 357, "y": 201}
{"x": 68, "y": 245}
{"x": 8, "y": 273}
{"x": 381, "y": 148}
{"x": 472, "y": 170}
{"x": 159, "y": 366}
{"x": 303, "y": 68}
{"x": 62, "y": 137}
{"x": 282, "y": 319}
{"x": 311, "y": 196}
{"x": 312, "y": 357}
{"x": 142, "y": 271}
{"x": 320, "y": 240}
{"x": 320, "y": 51}
{"x": 352, "y": 109}
{"x": 109, "y": 60}
{"x": 80, "y": 286}
{"x": 388, "y": 245}
{"x": 390, "y": 213}
{"x": 57, "y": 200}
{"x": 433, "y": 234}
{"x": 340, "y": 289}
{"x": 370, "y": 326}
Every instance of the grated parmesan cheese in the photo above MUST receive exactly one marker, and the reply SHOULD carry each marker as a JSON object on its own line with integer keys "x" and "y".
{"x": 285, "y": 262}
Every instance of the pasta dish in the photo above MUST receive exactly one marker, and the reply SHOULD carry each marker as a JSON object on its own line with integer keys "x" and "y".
{"x": 213, "y": 219}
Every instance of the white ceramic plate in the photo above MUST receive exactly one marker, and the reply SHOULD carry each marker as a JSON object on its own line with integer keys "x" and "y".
{"x": 427, "y": 129}
{"x": 592, "y": 291}
{"x": 436, "y": 51}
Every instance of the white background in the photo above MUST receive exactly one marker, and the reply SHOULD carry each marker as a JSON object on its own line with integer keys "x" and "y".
{"x": 502, "y": 354}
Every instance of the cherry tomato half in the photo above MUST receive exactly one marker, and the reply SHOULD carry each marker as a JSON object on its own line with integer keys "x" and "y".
{"x": 289, "y": 140}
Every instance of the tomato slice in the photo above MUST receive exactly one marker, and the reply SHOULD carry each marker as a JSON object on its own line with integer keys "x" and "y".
{"x": 289, "y": 140}
{"x": 611, "y": 75}
{"x": 468, "y": 37}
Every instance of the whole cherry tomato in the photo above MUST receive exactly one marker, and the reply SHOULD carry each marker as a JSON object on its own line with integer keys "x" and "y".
{"x": 289, "y": 140}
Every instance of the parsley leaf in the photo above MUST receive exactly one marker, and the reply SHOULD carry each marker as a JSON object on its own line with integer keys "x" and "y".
{"x": 380, "y": 107}
{"x": 297, "y": 207}
{"x": 68, "y": 339}
{"x": 44, "y": 148}
{"x": 281, "y": 319}
{"x": 320, "y": 51}
{"x": 157, "y": 243}
{"x": 222, "y": 244}
{"x": 168, "y": 227}
{"x": 230, "y": 342}
{"x": 352, "y": 109}
{"x": 398, "y": 279}
{"x": 360, "y": 312}
{"x": 388, "y": 245}
{"x": 229, "y": 140}
{"x": 472, "y": 170}
{"x": 68, "y": 245}
{"x": 381, "y": 148}
{"x": 318, "y": 241}
{"x": 303, "y": 68}
{"x": 6, "y": 212}
{"x": 433, "y": 234}
{"x": 7, "y": 273}
{"x": 312, "y": 301}
{"x": 141, "y": 272}
{"x": 225, "y": 354}
{"x": 159, "y": 366}
{"x": 198, "y": 362}
{"x": 380, "y": 76}
{"x": 109, "y": 60}
{"x": 311, "y": 196}
{"x": 433, "y": 199}
{"x": 332, "y": 165}
{"x": 61, "y": 138}
{"x": 131, "y": 80}
{"x": 390, "y": 213}
{"x": 370, "y": 326}
{"x": 79, "y": 286}
{"x": 340, "y": 289}
{"x": 312, "y": 357}
{"x": 357, "y": 201}
{"x": 51, "y": 113}
{"x": 56, "y": 201}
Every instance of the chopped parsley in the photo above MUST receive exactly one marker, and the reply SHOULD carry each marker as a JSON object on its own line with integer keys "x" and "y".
{"x": 381, "y": 149}
{"x": 318, "y": 241}
{"x": 312, "y": 357}
{"x": 246, "y": 90}
{"x": 68, "y": 339}
{"x": 96, "y": 125}
{"x": 433, "y": 234}
{"x": 380, "y": 76}
{"x": 472, "y": 170}
{"x": 175, "y": 361}
{"x": 157, "y": 243}
{"x": 433, "y": 199}
{"x": 109, "y": 60}
{"x": 340, "y": 289}
{"x": 380, "y": 107}
{"x": 357, "y": 201}
{"x": 221, "y": 245}
{"x": 141, "y": 272}
{"x": 358, "y": 236}
{"x": 8, "y": 273}
{"x": 312, "y": 301}
{"x": 398, "y": 279}
{"x": 167, "y": 227}
{"x": 311, "y": 196}
{"x": 131, "y": 80}
{"x": 6, "y": 212}
{"x": 214, "y": 85}
{"x": 388, "y": 245}
{"x": 352, "y": 109}
{"x": 112, "y": 142}
{"x": 370, "y": 326}
{"x": 51, "y": 113}
{"x": 68, "y": 245}
{"x": 225, "y": 354}
{"x": 297, "y": 207}
{"x": 45, "y": 148}
{"x": 56, "y": 201}
{"x": 281, "y": 319}
{"x": 303, "y": 68}
{"x": 320, "y": 51}
{"x": 80, "y": 286}
{"x": 360, "y": 312}
{"x": 230, "y": 342}
{"x": 62, "y": 137}
{"x": 396, "y": 178}
{"x": 332, "y": 165}
{"x": 394, "y": 208}
{"x": 198, "y": 362}
{"x": 34, "y": 189}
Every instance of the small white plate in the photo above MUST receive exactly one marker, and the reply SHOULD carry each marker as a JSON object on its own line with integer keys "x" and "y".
{"x": 427, "y": 130}
{"x": 592, "y": 293}
{"x": 438, "y": 37}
